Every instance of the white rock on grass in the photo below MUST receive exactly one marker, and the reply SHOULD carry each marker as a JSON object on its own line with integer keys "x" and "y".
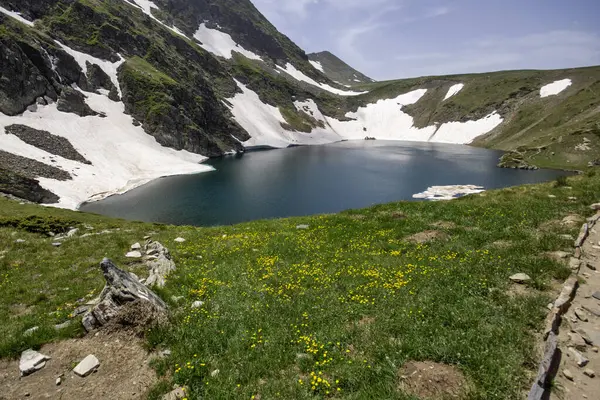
{"x": 180, "y": 240}
{"x": 136, "y": 246}
{"x": 87, "y": 366}
{"x": 72, "y": 232}
{"x": 32, "y": 361}
{"x": 30, "y": 331}
{"x": 595, "y": 207}
{"x": 520, "y": 278}
{"x": 133, "y": 254}
{"x": 197, "y": 304}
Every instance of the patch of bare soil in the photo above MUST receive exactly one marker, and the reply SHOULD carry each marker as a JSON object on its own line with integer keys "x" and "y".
{"x": 124, "y": 372}
{"x": 427, "y": 236}
{"x": 432, "y": 381}
{"x": 444, "y": 225}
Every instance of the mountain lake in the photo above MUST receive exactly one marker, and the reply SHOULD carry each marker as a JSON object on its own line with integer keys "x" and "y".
{"x": 309, "y": 180}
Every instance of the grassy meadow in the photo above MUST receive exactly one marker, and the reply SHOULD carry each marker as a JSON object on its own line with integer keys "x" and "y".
{"x": 332, "y": 311}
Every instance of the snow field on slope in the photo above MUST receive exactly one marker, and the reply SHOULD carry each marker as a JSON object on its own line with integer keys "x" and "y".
{"x": 454, "y": 89}
{"x": 299, "y": 76}
{"x": 16, "y": 16}
{"x": 317, "y": 65}
{"x": 123, "y": 156}
{"x": 555, "y": 88}
{"x": 221, "y": 43}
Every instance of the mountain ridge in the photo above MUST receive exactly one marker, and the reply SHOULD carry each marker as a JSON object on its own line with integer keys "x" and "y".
{"x": 200, "y": 79}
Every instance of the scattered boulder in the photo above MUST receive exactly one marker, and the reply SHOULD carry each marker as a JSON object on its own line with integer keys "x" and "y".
{"x": 568, "y": 374}
{"x": 86, "y": 366}
{"x": 595, "y": 207}
{"x": 520, "y": 278}
{"x": 136, "y": 246}
{"x": 197, "y": 304}
{"x": 589, "y": 373}
{"x": 302, "y": 226}
{"x": 133, "y": 254}
{"x": 73, "y": 101}
{"x": 180, "y": 240}
{"x": 32, "y": 361}
{"x": 122, "y": 288}
{"x": 19, "y": 241}
{"x": 596, "y": 295}
{"x": 579, "y": 358}
{"x": 57, "y": 244}
{"x": 577, "y": 341}
{"x": 72, "y": 232}
{"x": 160, "y": 265}
{"x": 579, "y": 313}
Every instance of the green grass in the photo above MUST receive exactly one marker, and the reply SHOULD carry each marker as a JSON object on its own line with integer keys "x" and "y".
{"x": 350, "y": 299}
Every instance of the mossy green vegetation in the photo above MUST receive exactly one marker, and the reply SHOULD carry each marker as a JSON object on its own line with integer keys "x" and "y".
{"x": 348, "y": 300}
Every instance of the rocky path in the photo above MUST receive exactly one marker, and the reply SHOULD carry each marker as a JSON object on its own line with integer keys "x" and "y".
{"x": 579, "y": 335}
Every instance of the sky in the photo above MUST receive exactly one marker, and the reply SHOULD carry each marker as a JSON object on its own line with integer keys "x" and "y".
{"x": 387, "y": 39}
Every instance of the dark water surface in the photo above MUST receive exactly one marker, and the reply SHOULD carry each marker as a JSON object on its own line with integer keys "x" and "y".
{"x": 312, "y": 180}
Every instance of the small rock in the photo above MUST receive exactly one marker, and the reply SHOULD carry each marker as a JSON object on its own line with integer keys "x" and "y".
{"x": 577, "y": 341}
{"x": 302, "y": 226}
{"x": 176, "y": 394}
{"x": 133, "y": 254}
{"x": 19, "y": 241}
{"x": 589, "y": 372}
{"x": 520, "y": 278}
{"x": 579, "y": 358}
{"x": 86, "y": 366}
{"x": 595, "y": 349}
{"x": 215, "y": 373}
{"x": 176, "y": 299}
{"x": 568, "y": 374}
{"x": 574, "y": 263}
{"x": 147, "y": 237}
{"x": 595, "y": 207}
{"x": 165, "y": 353}
{"x": 30, "y": 331}
{"x": 58, "y": 381}
{"x": 136, "y": 246}
{"x": 197, "y": 304}
{"x": 596, "y": 295}
{"x": 591, "y": 266}
{"x": 152, "y": 252}
{"x": 551, "y": 196}
{"x": 72, "y": 232}
{"x": 62, "y": 326}
{"x": 581, "y": 314}
{"x": 180, "y": 240}
{"x": 57, "y": 244}
{"x": 31, "y": 361}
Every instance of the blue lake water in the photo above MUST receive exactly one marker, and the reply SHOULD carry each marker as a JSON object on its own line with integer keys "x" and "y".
{"x": 312, "y": 180}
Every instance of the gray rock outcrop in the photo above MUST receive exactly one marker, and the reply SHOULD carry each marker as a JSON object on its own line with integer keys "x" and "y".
{"x": 123, "y": 289}
{"x": 72, "y": 101}
{"x": 160, "y": 266}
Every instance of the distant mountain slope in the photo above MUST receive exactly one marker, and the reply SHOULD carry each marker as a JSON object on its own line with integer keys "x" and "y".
{"x": 336, "y": 69}
{"x": 142, "y": 89}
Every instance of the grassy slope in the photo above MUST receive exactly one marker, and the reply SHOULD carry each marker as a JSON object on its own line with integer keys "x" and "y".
{"x": 349, "y": 299}
{"x": 530, "y": 122}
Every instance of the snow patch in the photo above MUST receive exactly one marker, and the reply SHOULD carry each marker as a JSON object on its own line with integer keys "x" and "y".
{"x": 221, "y": 43}
{"x": 263, "y": 122}
{"x": 555, "y": 88}
{"x": 146, "y": 6}
{"x": 317, "y": 65}
{"x": 108, "y": 67}
{"x": 454, "y": 89}
{"x": 299, "y": 76}
{"x": 466, "y": 132}
{"x": 384, "y": 120}
{"x": 450, "y": 192}
{"x": 123, "y": 156}
{"x": 16, "y": 16}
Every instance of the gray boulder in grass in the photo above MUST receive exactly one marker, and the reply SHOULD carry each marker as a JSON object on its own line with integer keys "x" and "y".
{"x": 123, "y": 291}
